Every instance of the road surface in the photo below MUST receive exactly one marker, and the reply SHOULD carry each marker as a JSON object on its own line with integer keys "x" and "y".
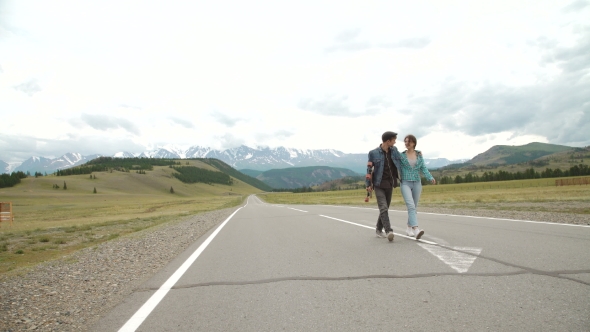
{"x": 321, "y": 268}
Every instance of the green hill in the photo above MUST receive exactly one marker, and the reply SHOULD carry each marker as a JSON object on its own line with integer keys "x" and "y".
{"x": 251, "y": 172}
{"x": 121, "y": 195}
{"x": 227, "y": 169}
{"x": 51, "y": 221}
{"x": 187, "y": 174}
{"x": 512, "y": 159}
{"x": 297, "y": 177}
{"x": 508, "y": 155}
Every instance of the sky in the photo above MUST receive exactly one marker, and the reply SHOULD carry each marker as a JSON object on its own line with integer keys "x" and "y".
{"x": 100, "y": 77}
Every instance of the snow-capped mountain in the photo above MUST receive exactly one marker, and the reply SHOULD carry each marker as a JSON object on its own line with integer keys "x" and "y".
{"x": 264, "y": 158}
{"x": 198, "y": 152}
{"x": 441, "y": 162}
{"x": 123, "y": 154}
{"x": 47, "y": 165}
{"x": 167, "y": 151}
{"x": 5, "y": 167}
{"x": 242, "y": 157}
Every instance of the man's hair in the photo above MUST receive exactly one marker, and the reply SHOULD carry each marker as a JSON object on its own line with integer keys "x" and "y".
{"x": 388, "y": 135}
{"x": 412, "y": 139}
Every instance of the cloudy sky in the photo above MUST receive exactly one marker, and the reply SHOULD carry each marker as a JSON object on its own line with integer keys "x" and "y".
{"x": 108, "y": 76}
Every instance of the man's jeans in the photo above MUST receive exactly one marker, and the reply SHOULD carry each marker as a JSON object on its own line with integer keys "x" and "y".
{"x": 411, "y": 191}
{"x": 383, "y": 201}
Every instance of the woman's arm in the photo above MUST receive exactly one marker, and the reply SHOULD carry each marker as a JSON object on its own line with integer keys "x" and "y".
{"x": 422, "y": 167}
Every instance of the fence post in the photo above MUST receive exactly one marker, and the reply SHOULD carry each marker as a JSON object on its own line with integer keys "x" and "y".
{"x": 6, "y": 212}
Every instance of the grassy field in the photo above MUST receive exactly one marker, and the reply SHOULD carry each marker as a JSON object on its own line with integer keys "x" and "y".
{"x": 563, "y": 164}
{"x": 49, "y": 223}
{"x": 463, "y": 195}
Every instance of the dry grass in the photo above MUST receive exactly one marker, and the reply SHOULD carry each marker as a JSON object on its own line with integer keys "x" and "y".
{"x": 472, "y": 195}
{"x": 50, "y": 223}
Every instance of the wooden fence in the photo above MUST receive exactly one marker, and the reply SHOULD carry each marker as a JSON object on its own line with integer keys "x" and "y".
{"x": 572, "y": 182}
{"x": 6, "y": 212}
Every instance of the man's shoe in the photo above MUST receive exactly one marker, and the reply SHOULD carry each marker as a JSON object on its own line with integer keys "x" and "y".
{"x": 410, "y": 231}
{"x": 390, "y": 236}
{"x": 380, "y": 233}
{"x": 418, "y": 233}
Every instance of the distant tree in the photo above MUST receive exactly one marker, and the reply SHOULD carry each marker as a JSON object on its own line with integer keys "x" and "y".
{"x": 171, "y": 190}
{"x": 95, "y": 190}
{"x": 65, "y": 186}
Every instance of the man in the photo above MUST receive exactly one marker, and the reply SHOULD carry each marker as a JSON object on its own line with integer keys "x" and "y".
{"x": 385, "y": 161}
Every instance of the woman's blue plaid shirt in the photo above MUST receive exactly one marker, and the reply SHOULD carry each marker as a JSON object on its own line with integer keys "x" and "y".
{"x": 412, "y": 173}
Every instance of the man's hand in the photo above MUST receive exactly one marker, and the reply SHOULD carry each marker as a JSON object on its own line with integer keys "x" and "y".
{"x": 369, "y": 189}
{"x": 433, "y": 181}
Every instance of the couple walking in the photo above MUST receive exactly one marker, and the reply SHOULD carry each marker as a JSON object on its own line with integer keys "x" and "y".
{"x": 388, "y": 166}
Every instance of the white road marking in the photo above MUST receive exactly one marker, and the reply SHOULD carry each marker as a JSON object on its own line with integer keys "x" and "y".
{"x": 459, "y": 261}
{"x": 137, "y": 319}
{"x": 373, "y": 228}
{"x": 295, "y": 209}
{"x": 466, "y": 216}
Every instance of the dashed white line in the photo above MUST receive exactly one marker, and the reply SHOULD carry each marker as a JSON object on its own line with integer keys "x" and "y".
{"x": 295, "y": 209}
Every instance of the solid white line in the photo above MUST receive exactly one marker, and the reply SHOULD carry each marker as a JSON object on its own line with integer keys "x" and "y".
{"x": 529, "y": 221}
{"x": 137, "y": 319}
{"x": 370, "y": 227}
{"x": 465, "y": 216}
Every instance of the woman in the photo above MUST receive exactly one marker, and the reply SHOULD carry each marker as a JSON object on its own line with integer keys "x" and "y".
{"x": 412, "y": 164}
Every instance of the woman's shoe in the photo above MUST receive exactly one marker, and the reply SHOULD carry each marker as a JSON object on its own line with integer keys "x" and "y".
{"x": 418, "y": 233}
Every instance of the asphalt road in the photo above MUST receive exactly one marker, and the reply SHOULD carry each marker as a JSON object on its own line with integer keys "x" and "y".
{"x": 321, "y": 268}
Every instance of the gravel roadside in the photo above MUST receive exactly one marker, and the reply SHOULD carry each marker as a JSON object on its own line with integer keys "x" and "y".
{"x": 72, "y": 293}
{"x": 518, "y": 211}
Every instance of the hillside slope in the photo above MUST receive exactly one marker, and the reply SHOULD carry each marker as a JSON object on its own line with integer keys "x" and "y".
{"x": 297, "y": 177}
{"x": 508, "y": 155}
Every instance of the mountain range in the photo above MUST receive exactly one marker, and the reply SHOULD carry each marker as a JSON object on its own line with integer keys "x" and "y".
{"x": 297, "y": 177}
{"x": 242, "y": 157}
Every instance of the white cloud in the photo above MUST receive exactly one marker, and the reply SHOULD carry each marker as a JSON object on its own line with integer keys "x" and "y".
{"x": 29, "y": 88}
{"x": 224, "y": 73}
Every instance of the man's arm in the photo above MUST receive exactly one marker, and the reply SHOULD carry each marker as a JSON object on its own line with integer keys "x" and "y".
{"x": 369, "y": 176}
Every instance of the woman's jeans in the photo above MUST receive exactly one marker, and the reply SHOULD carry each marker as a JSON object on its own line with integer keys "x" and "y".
{"x": 411, "y": 191}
